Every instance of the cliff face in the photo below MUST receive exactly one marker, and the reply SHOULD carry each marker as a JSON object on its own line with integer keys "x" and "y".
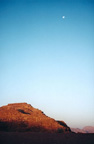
{"x": 24, "y": 117}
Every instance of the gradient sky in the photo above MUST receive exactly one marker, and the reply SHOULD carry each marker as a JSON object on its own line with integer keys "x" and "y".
{"x": 48, "y": 61}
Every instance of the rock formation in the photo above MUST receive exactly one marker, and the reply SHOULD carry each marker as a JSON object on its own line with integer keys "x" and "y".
{"x": 23, "y": 117}
{"x": 87, "y": 129}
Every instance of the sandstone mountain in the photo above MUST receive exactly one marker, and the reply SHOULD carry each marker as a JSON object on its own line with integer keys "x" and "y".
{"x": 87, "y": 129}
{"x": 23, "y": 117}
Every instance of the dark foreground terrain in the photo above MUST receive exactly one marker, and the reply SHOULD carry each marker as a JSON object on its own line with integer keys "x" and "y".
{"x": 45, "y": 138}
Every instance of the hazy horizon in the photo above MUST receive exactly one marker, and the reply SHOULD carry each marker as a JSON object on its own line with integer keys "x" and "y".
{"x": 47, "y": 57}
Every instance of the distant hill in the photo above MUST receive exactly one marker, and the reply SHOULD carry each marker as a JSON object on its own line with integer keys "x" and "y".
{"x": 23, "y": 117}
{"x": 87, "y": 129}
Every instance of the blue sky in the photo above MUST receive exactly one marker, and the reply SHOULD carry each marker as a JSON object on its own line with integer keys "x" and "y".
{"x": 48, "y": 61}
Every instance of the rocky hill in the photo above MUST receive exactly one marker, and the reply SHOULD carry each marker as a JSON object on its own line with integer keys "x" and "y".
{"x": 23, "y": 117}
{"x": 87, "y": 129}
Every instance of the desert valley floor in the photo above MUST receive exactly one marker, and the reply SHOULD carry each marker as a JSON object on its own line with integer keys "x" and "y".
{"x": 45, "y": 138}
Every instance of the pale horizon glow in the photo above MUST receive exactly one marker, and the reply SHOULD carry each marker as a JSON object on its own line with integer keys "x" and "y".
{"x": 46, "y": 61}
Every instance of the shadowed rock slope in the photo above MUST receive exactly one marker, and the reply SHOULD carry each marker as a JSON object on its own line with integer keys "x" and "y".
{"x": 23, "y": 117}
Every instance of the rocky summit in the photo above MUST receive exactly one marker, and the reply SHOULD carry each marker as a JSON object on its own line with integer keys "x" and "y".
{"x": 22, "y": 117}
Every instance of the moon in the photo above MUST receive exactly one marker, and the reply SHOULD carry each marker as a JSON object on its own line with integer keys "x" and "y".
{"x": 63, "y": 17}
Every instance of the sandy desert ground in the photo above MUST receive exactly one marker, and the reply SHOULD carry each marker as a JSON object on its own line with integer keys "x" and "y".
{"x": 45, "y": 138}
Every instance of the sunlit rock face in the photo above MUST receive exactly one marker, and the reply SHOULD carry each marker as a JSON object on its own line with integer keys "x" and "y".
{"x": 23, "y": 117}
